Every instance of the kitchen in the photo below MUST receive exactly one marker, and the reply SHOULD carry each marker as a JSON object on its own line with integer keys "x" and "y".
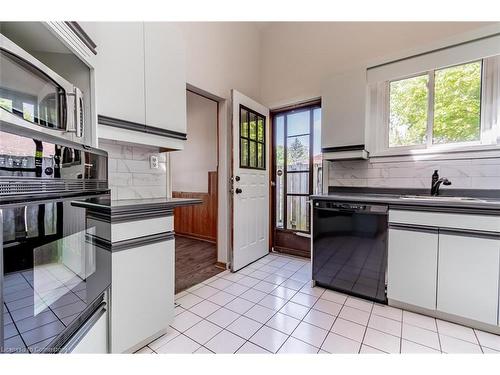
{"x": 357, "y": 210}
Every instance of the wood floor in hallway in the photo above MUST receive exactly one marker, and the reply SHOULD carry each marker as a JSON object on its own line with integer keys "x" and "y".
{"x": 194, "y": 262}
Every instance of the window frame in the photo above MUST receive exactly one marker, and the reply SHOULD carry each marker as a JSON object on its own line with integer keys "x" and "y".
{"x": 379, "y": 119}
{"x": 249, "y": 140}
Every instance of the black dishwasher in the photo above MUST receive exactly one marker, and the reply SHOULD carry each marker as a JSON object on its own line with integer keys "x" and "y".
{"x": 350, "y": 248}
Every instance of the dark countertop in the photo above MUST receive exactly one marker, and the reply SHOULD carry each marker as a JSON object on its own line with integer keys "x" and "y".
{"x": 134, "y": 209}
{"x": 476, "y": 201}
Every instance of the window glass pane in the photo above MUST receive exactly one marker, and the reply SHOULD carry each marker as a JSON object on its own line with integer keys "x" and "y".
{"x": 457, "y": 104}
{"x": 253, "y": 154}
{"x": 260, "y": 156}
{"x": 29, "y": 112}
{"x": 317, "y": 155}
{"x": 253, "y": 125}
{"x": 244, "y": 122}
{"x": 408, "y": 111}
{"x": 244, "y": 152}
{"x": 297, "y": 183}
{"x": 297, "y": 213}
{"x": 298, "y": 153}
{"x": 260, "y": 129}
{"x": 279, "y": 131}
{"x": 6, "y": 104}
{"x": 298, "y": 123}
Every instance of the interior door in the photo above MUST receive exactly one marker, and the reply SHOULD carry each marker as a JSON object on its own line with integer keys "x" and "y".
{"x": 250, "y": 180}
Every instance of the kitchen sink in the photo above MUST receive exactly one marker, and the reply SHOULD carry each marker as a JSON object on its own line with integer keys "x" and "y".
{"x": 441, "y": 198}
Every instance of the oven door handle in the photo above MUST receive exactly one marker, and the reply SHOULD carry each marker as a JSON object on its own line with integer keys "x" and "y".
{"x": 335, "y": 209}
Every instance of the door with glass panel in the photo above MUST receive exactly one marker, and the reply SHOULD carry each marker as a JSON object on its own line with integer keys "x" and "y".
{"x": 297, "y": 173}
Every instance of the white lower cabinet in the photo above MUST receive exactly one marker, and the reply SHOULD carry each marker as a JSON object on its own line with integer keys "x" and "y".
{"x": 468, "y": 277}
{"x": 142, "y": 294}
{"x": 412, "y": 267}
{"x": 95, "y": 339}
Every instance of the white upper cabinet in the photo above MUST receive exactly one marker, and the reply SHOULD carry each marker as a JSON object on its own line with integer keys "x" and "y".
{"x": 140, "y": 82}
{"x": 343, "y": 109}
{"x": 119, "y": 69}
{"x": 165, "y": 77}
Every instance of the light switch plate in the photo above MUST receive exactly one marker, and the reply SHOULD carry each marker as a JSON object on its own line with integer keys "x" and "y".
{"x": 154, "y": 162}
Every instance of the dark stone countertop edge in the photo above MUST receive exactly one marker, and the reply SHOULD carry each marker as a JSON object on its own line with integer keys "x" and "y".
{"x": 489, "y": 200}
{"x": 136, "y": 205}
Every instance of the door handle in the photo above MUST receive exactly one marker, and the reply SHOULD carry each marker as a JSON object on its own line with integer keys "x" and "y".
{"x": 238, "y": 191}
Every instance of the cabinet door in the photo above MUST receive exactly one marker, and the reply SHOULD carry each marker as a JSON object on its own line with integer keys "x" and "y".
{"x": 468, "y": 277}
{"x": 412, "y": 267}
{"x": 119, "y": 70}
{"x": 165, "y": 75}
{"x": 95, "y": 340}
{"x": 142, "y": 295}
{"x": 343, "y": 110}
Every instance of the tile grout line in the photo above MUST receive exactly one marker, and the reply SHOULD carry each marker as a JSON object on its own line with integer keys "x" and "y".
{"x": 366, "y": 329}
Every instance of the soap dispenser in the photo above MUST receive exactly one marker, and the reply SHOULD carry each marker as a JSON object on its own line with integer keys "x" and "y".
{"x": 435, "y": 178}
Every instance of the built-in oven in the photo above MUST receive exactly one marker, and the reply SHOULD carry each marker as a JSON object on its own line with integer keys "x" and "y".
{"x": 350, "y": 248}
{"x": 55, "y": 271}
{"x": 33, "y": 96}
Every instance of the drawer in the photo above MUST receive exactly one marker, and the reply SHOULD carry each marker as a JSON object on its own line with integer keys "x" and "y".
{"x": 487, "y": 223}
{"x": 140, "y": 228}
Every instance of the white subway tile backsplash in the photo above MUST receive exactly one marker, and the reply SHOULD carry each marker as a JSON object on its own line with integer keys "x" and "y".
{"x": 464, "y": 173}
{"x": 130, "y": 175}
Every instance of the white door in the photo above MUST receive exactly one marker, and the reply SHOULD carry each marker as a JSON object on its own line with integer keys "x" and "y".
{"x": 250, "y": 180}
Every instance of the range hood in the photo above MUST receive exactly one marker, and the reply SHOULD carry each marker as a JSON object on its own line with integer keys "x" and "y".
{"x": 352, "y": 152}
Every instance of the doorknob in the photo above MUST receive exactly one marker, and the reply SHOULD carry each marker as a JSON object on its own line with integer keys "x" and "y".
{"x": 237, "y": 178}
{"x": 238, "y": 191}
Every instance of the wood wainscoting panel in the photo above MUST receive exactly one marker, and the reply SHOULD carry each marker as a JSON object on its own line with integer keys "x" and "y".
{"x": 198, "y": 221}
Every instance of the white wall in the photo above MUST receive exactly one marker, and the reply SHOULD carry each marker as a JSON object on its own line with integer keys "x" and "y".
{"x": 222, "y": 56}
{"x": 190, "y": 167}
{"x": 300, "y": 56}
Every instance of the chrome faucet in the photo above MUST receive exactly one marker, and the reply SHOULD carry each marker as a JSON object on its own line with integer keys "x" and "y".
{"x": 436, "y": 183}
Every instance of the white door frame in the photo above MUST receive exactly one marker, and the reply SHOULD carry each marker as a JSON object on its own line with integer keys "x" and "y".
{"x": 224, "y": 163}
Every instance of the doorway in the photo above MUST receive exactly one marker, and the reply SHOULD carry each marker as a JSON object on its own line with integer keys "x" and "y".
{"x": 297, "y": 173}
{"x": 194, "y": 174}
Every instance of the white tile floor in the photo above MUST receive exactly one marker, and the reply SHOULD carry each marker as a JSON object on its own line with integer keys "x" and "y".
{"x": 269, "y": 307}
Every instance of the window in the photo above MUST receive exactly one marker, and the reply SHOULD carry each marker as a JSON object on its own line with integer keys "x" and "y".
{"x": 252, "y": 139}
{"x": 439, "y": 107}
{"x": 450, "y": 108}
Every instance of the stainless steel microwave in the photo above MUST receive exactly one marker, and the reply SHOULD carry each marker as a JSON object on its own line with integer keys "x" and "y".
{"x": 35, "y": 97}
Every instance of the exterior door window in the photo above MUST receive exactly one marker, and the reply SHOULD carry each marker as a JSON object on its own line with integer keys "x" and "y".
{"x": 298, "y": 166}
{"x": 252, "y": 139}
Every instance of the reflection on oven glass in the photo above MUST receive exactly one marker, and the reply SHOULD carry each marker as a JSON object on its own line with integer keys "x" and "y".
{"x": 60, "y": 269}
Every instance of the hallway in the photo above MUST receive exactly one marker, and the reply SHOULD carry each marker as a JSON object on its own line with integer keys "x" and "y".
{"x": 194, "y": 262}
